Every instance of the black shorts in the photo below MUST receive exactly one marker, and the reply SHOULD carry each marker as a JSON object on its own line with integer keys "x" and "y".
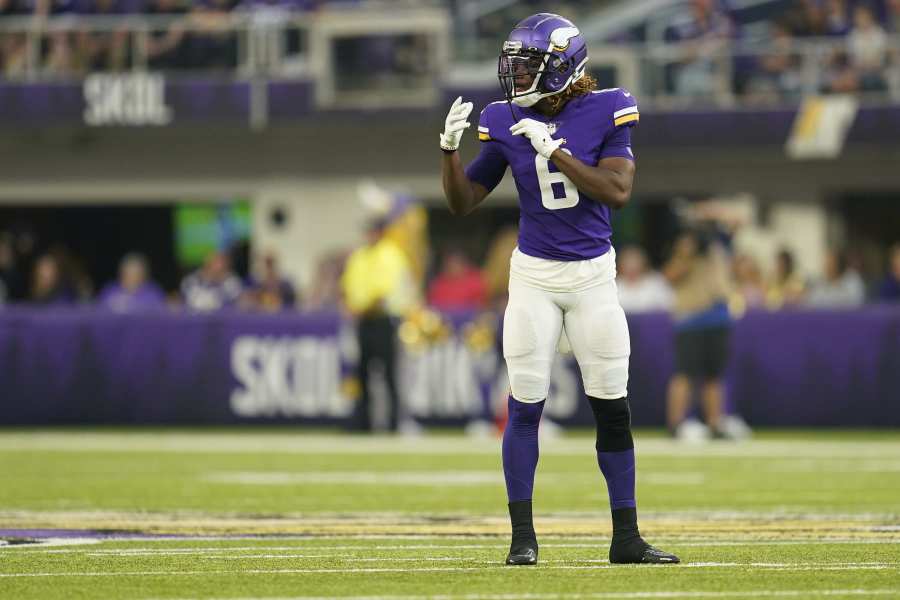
{"x": 702, "y": 352}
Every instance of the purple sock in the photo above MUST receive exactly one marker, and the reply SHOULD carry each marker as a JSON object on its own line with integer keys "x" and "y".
{"x": 615, "y": 449}
{"x": 520, "y": 448}
{"x": 618, "y": 469}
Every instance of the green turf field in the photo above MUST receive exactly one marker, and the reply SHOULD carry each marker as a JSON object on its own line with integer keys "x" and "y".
{"x": 294, "y": 514}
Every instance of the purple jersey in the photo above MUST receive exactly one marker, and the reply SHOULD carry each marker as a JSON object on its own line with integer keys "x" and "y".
{"x": 557, "y": 222}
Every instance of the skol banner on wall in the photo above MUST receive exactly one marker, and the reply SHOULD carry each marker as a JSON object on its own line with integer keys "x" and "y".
{"x": 797, "y": 368}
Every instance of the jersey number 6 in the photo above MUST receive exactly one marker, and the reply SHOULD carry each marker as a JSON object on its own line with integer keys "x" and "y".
{"x": 546, "y": 179}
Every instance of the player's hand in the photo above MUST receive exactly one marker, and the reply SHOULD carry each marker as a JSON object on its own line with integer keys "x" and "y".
{"x": 539, "y": 135}
{"x": 455, "y": 124}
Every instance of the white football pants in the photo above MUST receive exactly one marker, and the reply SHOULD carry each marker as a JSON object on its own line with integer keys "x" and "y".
{"x": 591, "y": 318}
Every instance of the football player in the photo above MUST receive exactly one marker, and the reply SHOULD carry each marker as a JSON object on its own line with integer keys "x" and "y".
{"x": 569, "y": 149}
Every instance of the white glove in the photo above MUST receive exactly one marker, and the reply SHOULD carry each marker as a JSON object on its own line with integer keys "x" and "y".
{"x": 539, "y": 135}
{"x": 455, "y": 124}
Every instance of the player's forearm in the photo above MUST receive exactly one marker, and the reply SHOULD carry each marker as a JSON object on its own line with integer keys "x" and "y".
{"x": 457, "y": 188}
{"x": 601, "y": 184}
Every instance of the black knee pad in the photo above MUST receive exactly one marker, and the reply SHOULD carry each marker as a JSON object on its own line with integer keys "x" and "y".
{"x": 613, "y": 424}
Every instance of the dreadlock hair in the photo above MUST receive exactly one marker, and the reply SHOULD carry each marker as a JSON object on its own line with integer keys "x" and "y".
{"x": 582, "y": 87}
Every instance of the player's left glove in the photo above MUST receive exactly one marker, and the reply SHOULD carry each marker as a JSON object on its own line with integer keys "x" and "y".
{"x": 539, "y": 135}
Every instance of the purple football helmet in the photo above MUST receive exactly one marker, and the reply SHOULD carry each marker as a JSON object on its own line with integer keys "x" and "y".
{"x": 546, "y": 48}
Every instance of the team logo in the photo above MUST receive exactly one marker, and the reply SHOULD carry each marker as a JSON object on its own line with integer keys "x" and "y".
{"x": 552, "y": 127}
{"x": 560, "y": 37}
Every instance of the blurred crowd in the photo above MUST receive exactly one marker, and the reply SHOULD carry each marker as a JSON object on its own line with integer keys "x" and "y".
{"x": 198, "y": 36}
{"x": 860, "y": 60}
{"x": 31, "y": 273}
{"x": 35, "y": 274}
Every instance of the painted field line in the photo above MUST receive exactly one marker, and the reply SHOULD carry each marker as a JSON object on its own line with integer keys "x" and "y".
{"x": 93, "y": 551}
{"x": 775, "y": 514}
{"x": 488, "y": 566}
{"x": 420, "y": 478}
{"x": 610, "y": 595}
{"x": 432, "y": 445}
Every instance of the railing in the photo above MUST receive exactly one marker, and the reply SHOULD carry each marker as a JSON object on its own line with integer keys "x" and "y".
{"x": 374, "y": 58}
{"x": 348, "y": 53}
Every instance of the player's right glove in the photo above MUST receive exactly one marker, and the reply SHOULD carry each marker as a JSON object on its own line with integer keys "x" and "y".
{"x": 455, "y": 124}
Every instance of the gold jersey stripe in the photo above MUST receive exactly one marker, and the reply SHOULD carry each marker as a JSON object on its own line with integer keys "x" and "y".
{"x": 627, "y": 119}
{"x": 484, "y": 137}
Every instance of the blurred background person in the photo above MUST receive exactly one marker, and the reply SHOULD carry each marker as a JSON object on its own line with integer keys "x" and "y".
{"x": 703, "y": 35}
{"x": 840, "y": 286}
{"x": 10, "y": 277}
{"x": 212, "y": 287}
{"x": 640, "y": 288}
{"x": 748, "y": 282}
{"x": 48, "y": 286}
{"x": 377, "y": 287}
{"x": 166, "y": 46}
{"x": 786, "y": 287}
{"x": 496, "y": 269}
{"x": 268, "y": 290}
{"x": 325, "y": 289}
{"x": 459, "y": 285}
{"x": 889, "y": 287}
{"x": 698, "y": 273}
{"x": 134, "y": 290}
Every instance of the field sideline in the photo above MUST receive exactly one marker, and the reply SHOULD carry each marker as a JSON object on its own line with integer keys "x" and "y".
{"x": 285, "y": 513}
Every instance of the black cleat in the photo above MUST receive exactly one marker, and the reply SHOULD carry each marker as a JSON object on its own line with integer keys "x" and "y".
{"x": 637, "y": 551}
{"x": 523, "y": 554}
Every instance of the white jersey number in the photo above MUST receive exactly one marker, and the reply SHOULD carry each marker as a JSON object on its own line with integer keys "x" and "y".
{"x": 546, "y": 179}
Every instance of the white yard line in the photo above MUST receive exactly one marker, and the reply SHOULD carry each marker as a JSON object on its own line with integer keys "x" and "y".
{"x": 90, "y": 517}
{"x": 246, "y": 442}
{"x": 420, "y": 478}
{"x": 491, "y": 565}
{"x": 612, "y": 595}
{"x": 599, "y": 544}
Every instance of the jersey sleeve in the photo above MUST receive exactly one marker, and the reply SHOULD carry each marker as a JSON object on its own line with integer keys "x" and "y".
{"x": 625, "y": 109}
{"x": 489, "y": 166}
{"x": 625, "y": 116}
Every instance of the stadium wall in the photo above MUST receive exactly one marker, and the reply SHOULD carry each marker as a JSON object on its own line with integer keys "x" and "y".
{"x": 791, "y": 368}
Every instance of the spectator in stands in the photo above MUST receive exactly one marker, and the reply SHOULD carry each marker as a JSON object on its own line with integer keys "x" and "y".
{"x": 325, "y": 290}
{"x": 48, "y": 285}
{"x": 806, "y": 18}
{"x": 836, "y": 18}
{"x": 640, "y": 289}
{"x": 889, "y": 289}
{"x": 377, "y": 289}
{"x": 269, "y": 291}
{"x": 786, "y": 287}
{"x": 867, "y": 46}
{"x": 211, "y": 42}
{"x": 459, "y": 285}
{"x": 748, "y": 279}
{"x": 10, "y": 277}
{"x": 212, "y": 287}
{"x": 104, "y": 50}
{"x": 698, "y": 273}
{"x": 893, "y": 16}
{"x": 13, "y": 49}
{"x": 841, "y": 287}
{"x": 704, "y": 34}
{"x": 134, "y": 290}
{"x": 165, "y": 48}
{"x": 496, "y": 269}
{"x": 777, "y": 77}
